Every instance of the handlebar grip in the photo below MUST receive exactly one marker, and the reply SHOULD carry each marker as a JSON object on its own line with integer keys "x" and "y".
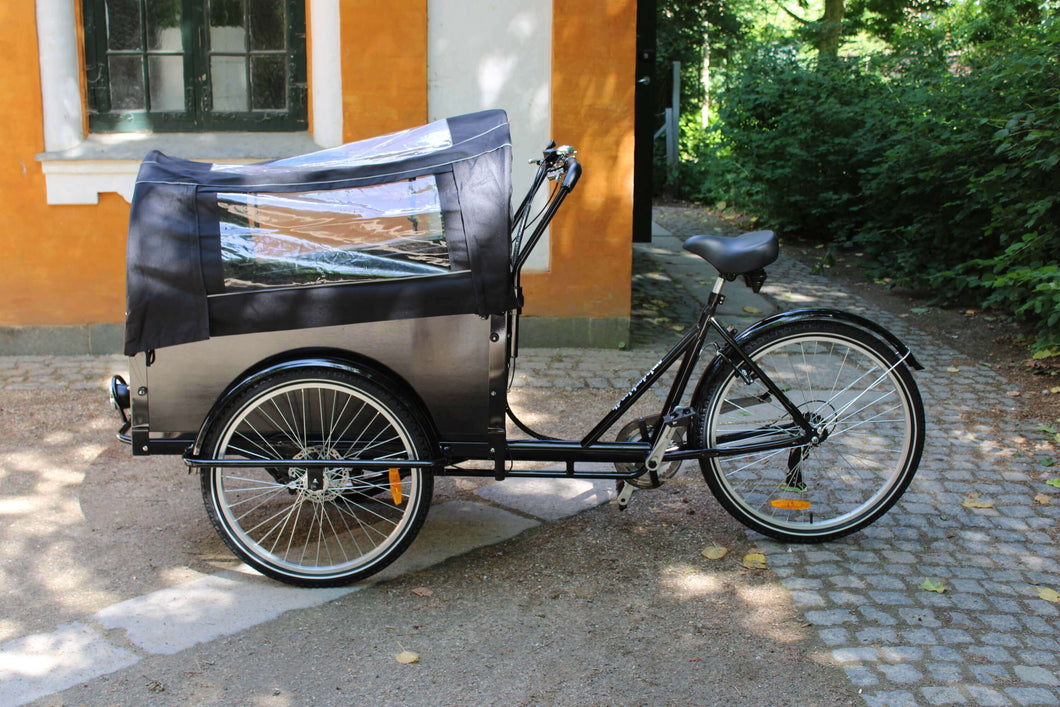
{"x": 574, "y": 173}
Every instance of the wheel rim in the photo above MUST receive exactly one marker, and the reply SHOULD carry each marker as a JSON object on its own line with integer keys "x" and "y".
{"x": 307, "y": 523}
{"x": 863, "y": 411}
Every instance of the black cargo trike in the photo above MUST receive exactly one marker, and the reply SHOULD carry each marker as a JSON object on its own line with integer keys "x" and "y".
{"x": 320, "y": 336}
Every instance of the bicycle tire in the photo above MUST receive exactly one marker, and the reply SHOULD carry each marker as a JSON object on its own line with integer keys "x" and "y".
{"x": 354, "y": 522}
{"x": 855, "y": 389}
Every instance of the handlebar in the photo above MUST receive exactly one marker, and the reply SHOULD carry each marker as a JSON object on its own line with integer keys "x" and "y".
{"x": 556, "y": 163}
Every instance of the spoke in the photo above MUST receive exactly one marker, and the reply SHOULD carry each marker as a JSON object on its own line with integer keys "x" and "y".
{"x": 246, "y": 420}
{"x": 349, "y": 424}
{"x": 335, "y": 533}
{"x": 288, "y": 432}
{"x": 294, "y": 526}
{"x": 269, "y": 491}
{"x": 755, "y": 461}
{"x": 365, "y": 509}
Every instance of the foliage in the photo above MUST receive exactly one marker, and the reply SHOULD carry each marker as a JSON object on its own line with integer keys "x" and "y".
{"x": 939, "y": 158}
{"x": 686, "y": 31}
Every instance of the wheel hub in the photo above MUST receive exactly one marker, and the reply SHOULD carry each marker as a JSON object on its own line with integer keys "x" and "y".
{"x": 319, "y": 485}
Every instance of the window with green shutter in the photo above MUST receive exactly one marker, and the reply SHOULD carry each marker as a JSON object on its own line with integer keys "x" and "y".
{"x": 189, "y": 65}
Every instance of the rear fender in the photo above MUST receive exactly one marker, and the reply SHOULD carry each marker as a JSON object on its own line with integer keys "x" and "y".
{"x": 327, "y": 360}
{"x": 802, "y": 315}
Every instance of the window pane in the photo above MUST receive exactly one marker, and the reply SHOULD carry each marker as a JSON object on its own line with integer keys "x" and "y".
{"x": 267, "y": 24}
{"x": 227, "y": 30}
{"x": 167, "y": 83}
{"x": 268, "y": 77}
{"x": 126, "y": 83}
{"x": 123, "y": 25}
{"x": 348, "y": 235}
{"x": 163, "y": 25}
{"x": 228, "y": 78}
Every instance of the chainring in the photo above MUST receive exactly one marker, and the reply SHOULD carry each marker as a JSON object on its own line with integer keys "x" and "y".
{"x": 640, "y": 430}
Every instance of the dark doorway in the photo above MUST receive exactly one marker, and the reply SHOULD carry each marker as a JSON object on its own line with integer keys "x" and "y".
{"x": 644, "y": 121}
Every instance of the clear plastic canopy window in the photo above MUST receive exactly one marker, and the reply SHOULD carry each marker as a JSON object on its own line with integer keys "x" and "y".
{"x": 321, "y": 237}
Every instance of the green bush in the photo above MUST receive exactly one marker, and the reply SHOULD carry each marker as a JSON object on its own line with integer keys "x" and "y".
{"x": 942, "y": 166}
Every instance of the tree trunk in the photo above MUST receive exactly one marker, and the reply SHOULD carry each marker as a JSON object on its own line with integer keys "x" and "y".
{"x": 831, "y": 24}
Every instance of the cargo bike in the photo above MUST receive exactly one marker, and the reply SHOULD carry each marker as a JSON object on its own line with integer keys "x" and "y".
{"x": 321, "y": 336}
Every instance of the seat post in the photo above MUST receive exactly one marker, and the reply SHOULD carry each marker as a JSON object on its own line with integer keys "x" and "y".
{"x": 715, "y": 293}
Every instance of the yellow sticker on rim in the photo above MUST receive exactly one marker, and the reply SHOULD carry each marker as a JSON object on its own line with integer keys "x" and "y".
{"x": 395, "y": 486}
{"x": 790, "y": 504}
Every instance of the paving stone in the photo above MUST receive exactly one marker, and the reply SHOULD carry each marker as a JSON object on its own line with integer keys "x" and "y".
{"x": 944, "y": 672}
{"x": 1035, "y": 674}
{"x": 943, "y": 696}
{"x": 1032, "y": 696}
{"x": 986, "y": 696}
{"x": 861, "y": 676}
{"x": 891, "y": 698}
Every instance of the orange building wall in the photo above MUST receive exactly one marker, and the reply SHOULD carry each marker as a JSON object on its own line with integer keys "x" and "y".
{"x": 64, "y": 265}
{"x": 384, "y": 66}
{"x": 593, "y": 82}
{"x": 59, "y": 265}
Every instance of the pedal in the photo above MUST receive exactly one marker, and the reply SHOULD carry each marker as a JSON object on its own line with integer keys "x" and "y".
{"x": 624, "y": 494}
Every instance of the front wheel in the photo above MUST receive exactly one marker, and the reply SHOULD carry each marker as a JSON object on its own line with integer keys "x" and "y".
{"x": 854, "y": 391}
{"x": 316, "y": 526}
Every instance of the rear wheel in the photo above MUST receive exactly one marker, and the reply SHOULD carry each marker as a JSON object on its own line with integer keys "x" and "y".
{"x": 322, "y": 526}
{"x": 862, "y": 400}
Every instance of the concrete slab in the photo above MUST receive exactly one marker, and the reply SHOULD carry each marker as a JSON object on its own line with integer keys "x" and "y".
{"x": 551, "y": 499}
{"x": 455, "y": 528}
{"x": 171, "y": 620}
{"x": 41, "y": 664}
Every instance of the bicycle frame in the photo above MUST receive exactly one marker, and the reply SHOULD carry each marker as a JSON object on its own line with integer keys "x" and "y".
{"x": 590, "y": 448}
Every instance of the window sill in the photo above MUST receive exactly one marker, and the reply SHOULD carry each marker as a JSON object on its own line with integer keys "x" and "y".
{"x": 109, "y": 163}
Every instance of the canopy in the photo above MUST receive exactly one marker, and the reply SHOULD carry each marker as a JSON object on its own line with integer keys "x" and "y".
{"x": 411, "y": 224}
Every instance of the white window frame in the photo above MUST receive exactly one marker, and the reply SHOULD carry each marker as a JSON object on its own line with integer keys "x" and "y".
{"x": 79, "y": 167}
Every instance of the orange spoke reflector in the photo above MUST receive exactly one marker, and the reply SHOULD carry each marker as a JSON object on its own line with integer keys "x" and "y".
{"x": 790, "y": 504}
{"x": 395, "y": 486}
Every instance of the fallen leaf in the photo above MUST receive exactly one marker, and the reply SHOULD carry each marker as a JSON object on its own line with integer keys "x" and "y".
{"x": 953, "y": 369}
{"x": 752, "y": 310}
{"x": 920, "y": 310}
{"x": 678, "y": 327}
{"x": 976, "y": 503}
{"x": 407, "y": 657}
{"x": 1042, "y": 500}
{"x": 1054, "y": 482}
{"x": 1049, "y": 594}
{"x": 715, "y": 552}
{"x": 933, "y": 586}
{"x": 1013, "y": 393}
{"x": 1055, "y": 389}
{"x": 422, "y": 592}
{"x": 755, "y": 561}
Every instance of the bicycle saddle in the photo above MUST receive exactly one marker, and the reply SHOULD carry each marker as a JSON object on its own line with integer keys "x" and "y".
{"x": 736, "y": 255}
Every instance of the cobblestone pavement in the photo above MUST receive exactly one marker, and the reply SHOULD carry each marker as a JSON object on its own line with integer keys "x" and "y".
{"x": 989, "y": 639}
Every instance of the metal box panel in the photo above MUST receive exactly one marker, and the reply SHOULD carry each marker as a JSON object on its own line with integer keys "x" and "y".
{"x": 444, "y": 359}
